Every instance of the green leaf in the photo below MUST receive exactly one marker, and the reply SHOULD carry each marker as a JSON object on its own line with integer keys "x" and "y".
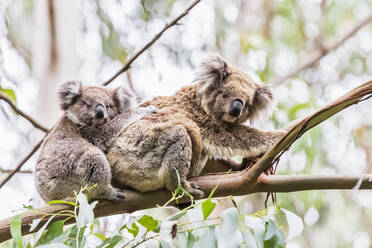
{"x": 55, "y": 230}
{"x": 191, "y": 239}
{"x": 15, "y": 231}
{"x": 76, "y": 233}
{"x": 110, "y": 242}
{"x": 274, "y": 237}
{"x": 42, "y": 229}
{"x": 208, "y": 207}
{"x": 134, "y": 230}
{"x": 227, "y": 232}
{"x": 208, "y": 239}
{"x": 8, "y": 93}
{"x": 61, "y": 202}
{"x": 148, "y": 222}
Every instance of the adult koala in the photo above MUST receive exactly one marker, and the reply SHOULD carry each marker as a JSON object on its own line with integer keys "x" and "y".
{"x": 201, "y": 121}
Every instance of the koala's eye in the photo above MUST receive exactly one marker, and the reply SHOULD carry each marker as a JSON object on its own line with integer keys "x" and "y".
{"x": 219, "y": 91}
{"x": 86, "y": 103}
{"x": 225, "y": 95}
{"x": 109, "y": 106}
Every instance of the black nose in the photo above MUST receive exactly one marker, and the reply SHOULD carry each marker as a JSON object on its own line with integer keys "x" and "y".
{"x": 100, "y": 111}
{"x": 236, "y": 108}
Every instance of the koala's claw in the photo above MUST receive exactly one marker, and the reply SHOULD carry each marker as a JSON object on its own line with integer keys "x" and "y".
{"x": 118, "y": 195}
{"x": 152, "y": 110}
{"x": 194, "y": 189}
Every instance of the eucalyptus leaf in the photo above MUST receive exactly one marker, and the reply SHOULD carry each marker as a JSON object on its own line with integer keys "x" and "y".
{"x": 248, "y": 239}
{"x": 16, "y": 232}
{"x": 148, "y": 222}
{"x": 8, "y": 93}
{"x": 208, "y": 207}
{"x": 85, "y": 215}
{"x": 208, "y": 239}
{"x": 110, "y": 242}
{"x": 295, "y": 224}
{"x": 191, "y": 239}
{"x": 34, "y": 224}
{"x": 55, "y": 230}
{"x": 258, "y": 227}
{"x": 227, "y": 233}
{"x": 42, "y": 229}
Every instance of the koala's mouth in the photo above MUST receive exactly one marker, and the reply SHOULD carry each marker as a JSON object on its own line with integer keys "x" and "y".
{"x": 229, "y": 118}
{"x": 98, "y": 121}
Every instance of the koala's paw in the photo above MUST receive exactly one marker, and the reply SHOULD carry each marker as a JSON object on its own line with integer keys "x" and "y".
{"x": 117, "y": 195}
{"x": 151, "y": 110}
{"x": 194, "y": 189}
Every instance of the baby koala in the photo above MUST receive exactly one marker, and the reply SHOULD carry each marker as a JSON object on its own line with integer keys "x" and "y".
{"x": 73, "y": 154}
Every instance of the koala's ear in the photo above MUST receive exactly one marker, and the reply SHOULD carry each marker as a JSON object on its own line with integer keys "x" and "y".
{"x": 69, "y": 92}
{"x": 125, "y": 98}
{"x": 262, "y": 103}
{"x": 212, "y": 70}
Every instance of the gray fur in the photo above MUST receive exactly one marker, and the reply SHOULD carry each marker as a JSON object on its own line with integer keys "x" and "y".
{"x": 73, "y": 154}
{"x": 192, "y": 126}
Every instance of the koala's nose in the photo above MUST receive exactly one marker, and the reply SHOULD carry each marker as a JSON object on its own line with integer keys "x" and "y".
{"x": 100, "y": 111}
{"x": 236, "y": 108}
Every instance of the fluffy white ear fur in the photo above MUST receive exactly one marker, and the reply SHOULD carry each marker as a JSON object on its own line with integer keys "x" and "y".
{"x": 68, "y": 92}
{"x": 263, "y": 103}
{"x": 212, "y": 70}
{"x": 126, "y": 98}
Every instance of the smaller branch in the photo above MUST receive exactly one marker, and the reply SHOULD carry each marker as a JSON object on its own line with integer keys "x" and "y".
{"x": 19, "y": 166}
{"x": 21, "y": 171}
{"x": 23, "y": 114}
{"x": 320, "y": 53}
{"x": 320, "y": 40}
{"x": 151, "y": 42}
{"x": 284, "y": 184}
{"x": 269, "y": 15}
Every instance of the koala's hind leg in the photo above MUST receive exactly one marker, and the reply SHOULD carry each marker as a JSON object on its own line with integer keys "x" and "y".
{"x": 98, "y": 172}
{"x": 177, "y": 159}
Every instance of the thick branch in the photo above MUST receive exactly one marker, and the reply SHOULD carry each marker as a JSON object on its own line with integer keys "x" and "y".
{"x": 23, "y": 114}
{"x": 320, "y": 53}
{"x": 136, "y": 201}
{"x": 157, "y": 36}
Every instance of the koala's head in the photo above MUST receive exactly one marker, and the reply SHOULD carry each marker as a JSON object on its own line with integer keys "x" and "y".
{"x": 92, "y": 105}
{"x": 230, "y": 95}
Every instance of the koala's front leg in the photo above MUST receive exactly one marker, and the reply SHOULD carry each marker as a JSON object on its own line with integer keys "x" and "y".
{"x": 176, "y": 161}
{"x": 238, "y": 140}
{"x": 94, "y": 167}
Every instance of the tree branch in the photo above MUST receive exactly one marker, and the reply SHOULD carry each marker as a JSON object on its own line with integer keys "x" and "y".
{"x": 137, "y": 201}
{"x": 235, "y": 183}
{"x": 311, "y": 59}
{"x": 151, "y": 42}
{"x": 23, "y": 114}
{"x": 19, "y": 166}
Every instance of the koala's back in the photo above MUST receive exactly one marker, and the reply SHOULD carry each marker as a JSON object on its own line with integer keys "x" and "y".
{"x": 58, "y": 159}
{"x": 136, "y": 159}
